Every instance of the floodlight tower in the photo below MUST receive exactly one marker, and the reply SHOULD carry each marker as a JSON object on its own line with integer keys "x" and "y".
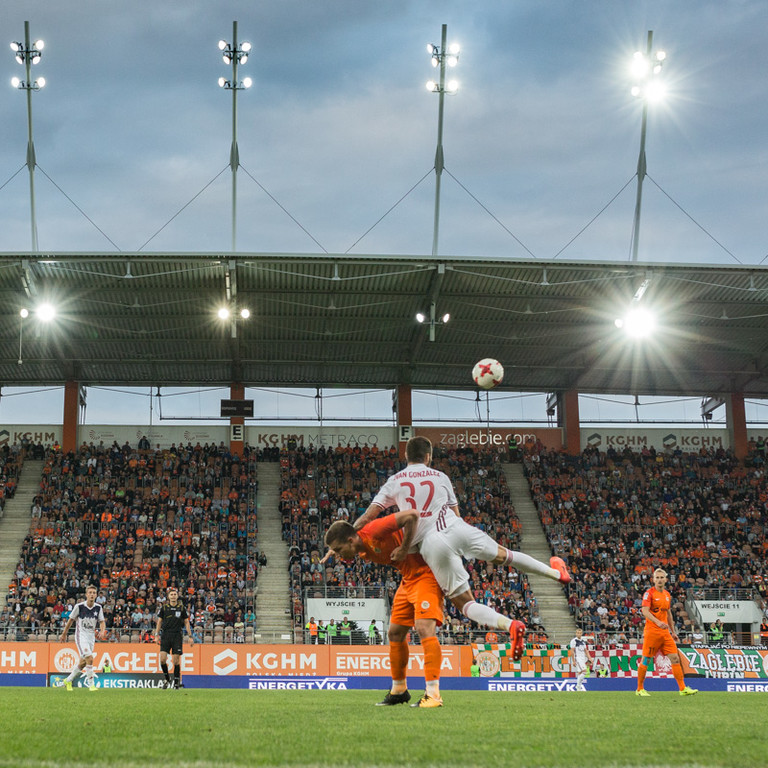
{"x": 645, "y": 67}
{"x": 27, "y": 54}
{"x": 442, "y": 56}
{"x": 234, "y": 54}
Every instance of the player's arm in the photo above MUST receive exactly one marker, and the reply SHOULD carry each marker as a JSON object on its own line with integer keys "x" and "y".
{"x": 66, "y": 629}
{"x": 650, "y": 617}
{"x": 407, "y": 520}
{"x": 455, "y": 508}
{"x": 373, "y": 511}
{"x": 671, "y": 625}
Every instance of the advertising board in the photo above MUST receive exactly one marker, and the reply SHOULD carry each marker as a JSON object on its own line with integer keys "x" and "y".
{"x": 495, "y": 438}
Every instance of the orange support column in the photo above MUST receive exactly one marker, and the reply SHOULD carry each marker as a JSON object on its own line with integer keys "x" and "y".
{"x": 571, "y": 423}
{"x": 736, "y": 416}
{"x": 71, "y": 414}
{"x": 236, "y": 423}
{"x": 404, "y": 417}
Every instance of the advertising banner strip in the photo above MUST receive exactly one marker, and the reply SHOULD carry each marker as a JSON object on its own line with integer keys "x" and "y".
{"x": 725, "y": 662}
{"x": 29, "y": 659}
{"x": 122, "y": 657}
{"x": 23, "y": 658}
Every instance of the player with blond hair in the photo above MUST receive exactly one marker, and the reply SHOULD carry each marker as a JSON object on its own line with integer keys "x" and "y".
{"x": 659, "y": 635}
{"x": 443, "y": 538}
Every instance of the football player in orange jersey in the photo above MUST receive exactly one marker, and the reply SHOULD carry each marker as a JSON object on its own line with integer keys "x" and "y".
{"x": 418, "y": 601}
{"x": 659, "y": 635}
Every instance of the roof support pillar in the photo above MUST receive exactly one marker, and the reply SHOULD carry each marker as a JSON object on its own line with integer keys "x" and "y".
{"x": 569, "y": 408}
{"x": 236, "y": 423}
{"x": 404, "y": 417}
{"x": 71, "y": 416}
{"x": 736, "y": 417}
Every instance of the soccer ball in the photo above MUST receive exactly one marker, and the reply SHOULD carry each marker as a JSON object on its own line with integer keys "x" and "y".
{"x": 488, "y": 373}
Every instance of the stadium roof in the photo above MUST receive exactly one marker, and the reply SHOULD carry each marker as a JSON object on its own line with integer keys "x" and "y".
{"x": 340, "y": 320}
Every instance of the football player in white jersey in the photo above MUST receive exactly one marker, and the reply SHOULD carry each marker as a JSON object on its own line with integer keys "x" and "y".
{"x": 581, "y": 658}
{"x": 442, "y": 538}
{"x": 86, "y": 616}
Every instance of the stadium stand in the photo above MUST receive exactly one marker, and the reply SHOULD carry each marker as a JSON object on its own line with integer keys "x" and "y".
{"x": 11, "y": 461}
{"x": 615, "y": 516}
{"x": 135, "y": 522}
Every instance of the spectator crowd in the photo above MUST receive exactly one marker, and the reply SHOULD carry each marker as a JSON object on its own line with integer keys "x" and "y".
{"x": 615, "y": 516}
{"x": 134, "y": 522}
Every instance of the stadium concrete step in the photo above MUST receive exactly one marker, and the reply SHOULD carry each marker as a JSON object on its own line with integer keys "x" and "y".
{"x": 551, "y": 600}
{"x": 274, "y": 622}
{"x": 15, "y": 521}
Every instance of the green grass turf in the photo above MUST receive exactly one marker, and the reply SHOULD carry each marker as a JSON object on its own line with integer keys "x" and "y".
{"x": 201, "y": 728}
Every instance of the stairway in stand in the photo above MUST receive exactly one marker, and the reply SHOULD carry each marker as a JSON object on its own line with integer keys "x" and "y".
{"x": 549, "y": 594}
{"x": 274, "y": 623}
{"x": 15, "y": 521}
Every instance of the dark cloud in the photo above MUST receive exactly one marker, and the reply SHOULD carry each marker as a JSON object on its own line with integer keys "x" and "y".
{"x": 338, "y": 126}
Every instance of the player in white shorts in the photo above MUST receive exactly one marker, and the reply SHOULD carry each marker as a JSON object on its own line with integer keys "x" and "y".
{"x": 580, "y": 658}
{"x": 86, "y": 616}
{"x": 443, "y": 538}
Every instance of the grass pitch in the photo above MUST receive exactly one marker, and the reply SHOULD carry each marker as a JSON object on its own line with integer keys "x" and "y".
{"x": 202, "y": 728}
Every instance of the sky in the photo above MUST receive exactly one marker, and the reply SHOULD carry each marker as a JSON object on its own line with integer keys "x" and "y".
{"x": 541, "y": 141}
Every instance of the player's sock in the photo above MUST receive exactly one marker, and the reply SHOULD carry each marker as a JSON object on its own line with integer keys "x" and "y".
{"x": 677, "y": 671}
{"x": 486, "y": 616}
{"x": 164, "y": 667}
{"x": 527, "y": 564}
{"x": 177, "y": 675}
{"x": 433, "y": 656}
{"x": 641, "y": 671}
{"x": 73, "y": 674}
{"x": 432, "y": 688}
{"x": 580, "y": 680}
{"x": 398, "y": 661}
{"x": 88, "y": 672}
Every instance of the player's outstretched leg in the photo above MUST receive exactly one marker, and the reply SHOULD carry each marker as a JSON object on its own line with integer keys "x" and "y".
{"x": 517, "y": 639}
{"x": 559, "y": 565}
{"x": 556, "y": 569}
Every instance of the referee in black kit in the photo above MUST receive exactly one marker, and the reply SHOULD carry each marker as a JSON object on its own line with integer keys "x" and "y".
{"x": 172, "y": 620}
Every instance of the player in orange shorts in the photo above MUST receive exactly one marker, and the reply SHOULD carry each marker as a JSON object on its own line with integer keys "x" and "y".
{"x": 418, "y": 601}
{"x": 659, "y": 635}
